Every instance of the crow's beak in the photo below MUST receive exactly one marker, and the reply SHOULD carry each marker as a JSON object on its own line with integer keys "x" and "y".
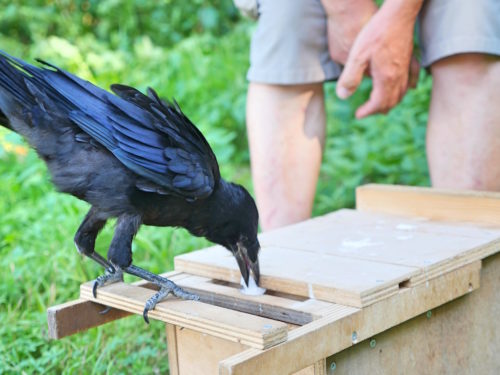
{"x": 245, "y": 263}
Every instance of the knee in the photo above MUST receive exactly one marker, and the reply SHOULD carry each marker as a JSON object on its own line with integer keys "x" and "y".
{"x": 84, "y": 243}
{"x": 469, "y": 176}
{"x": 466, "y": 67}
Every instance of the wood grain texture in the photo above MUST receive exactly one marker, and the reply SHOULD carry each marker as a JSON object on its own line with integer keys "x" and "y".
{"x": 436, "y": 204}
{"x": 79, "y": 315}
{"x": 344, "y": 280}
{"x": 232, "y": 325}
{"x": 353, "y": 257}
{"x": 332, "y": 334}
{"x": 460, "y": 337}
{"x": 286, "y": 308}
{"x": 173, "y": 352}
{"x": 200, "y": 354}
{"x": 75, "y": 316}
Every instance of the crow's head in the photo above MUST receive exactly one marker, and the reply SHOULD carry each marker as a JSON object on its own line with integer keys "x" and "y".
{"x": 235, "y": 227}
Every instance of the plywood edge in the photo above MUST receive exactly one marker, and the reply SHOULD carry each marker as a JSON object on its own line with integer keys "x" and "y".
{"x": 299, "y": 287}
{"x": 228, "y": 324}
{"x": 79, "y": 315}
{"x": 173, "y": 364}
{"x": 327, "y": 336}
{"x": 438, "y": 204}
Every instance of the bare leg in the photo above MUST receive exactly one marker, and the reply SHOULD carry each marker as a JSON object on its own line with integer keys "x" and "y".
{"x": 463, "y": 134}
{"x": 286, "y": 132}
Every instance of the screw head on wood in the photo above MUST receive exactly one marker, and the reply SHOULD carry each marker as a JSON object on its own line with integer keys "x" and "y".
{"x": 354, "y": 337}
{"x": 333, "y": 366}
{"x": 373, "y": 343}
{"x": 429, "y": 314}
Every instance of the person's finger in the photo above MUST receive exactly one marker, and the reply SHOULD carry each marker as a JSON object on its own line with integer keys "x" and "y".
{"x": 375, "y": 104}
{"x": 352, "y": 74}
{"x": 414, "y": 72}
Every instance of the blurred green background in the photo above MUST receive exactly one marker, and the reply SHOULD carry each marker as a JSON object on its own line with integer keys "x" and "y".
{"x": 195, "y": 51}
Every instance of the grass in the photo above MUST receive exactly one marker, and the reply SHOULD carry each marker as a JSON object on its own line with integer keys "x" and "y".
{"x": 203, "y": 66}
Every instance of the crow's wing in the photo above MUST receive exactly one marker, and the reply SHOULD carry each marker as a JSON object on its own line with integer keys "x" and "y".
{"x": 151, "y": 137}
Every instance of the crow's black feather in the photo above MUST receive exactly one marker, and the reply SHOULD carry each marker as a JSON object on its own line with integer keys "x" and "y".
{"x": 130, "y": 155}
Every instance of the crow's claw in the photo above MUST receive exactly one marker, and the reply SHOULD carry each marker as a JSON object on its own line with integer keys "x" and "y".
{"x": 105, "y": 311}
{"x": 166, "y": 288}
{"x": 111, "y": 276}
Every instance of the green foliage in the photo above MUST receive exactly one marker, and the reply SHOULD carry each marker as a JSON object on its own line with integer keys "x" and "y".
{"x": 384, "y": 148}
{"x": 116, "y": 22}
{"x": 195, "y": 52}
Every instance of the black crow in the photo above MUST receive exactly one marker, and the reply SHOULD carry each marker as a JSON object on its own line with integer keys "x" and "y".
{"x": 132, "y": 156}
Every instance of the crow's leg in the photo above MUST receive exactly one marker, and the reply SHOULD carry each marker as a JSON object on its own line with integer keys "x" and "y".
{"x": 86, "y": 235}
{"x": 120, "y": 250}
{"x": 120, "y": 256}
{"x": 166, "y": 287}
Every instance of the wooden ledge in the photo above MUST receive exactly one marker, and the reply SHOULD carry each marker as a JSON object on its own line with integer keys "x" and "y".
{"x": 251, "y": 330}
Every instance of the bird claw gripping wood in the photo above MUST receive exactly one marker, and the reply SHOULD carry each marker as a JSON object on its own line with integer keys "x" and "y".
{"x": 112, "y": 275}
{"x": 166, "y": 288}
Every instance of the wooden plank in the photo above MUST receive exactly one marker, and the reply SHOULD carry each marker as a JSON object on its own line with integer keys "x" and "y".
{"x": 436, "y": 204}
{"x": 330, "y": 335}
{"x": 286, "y": 308}
{"x": 348, "y": 281}
{"x": 460, "y": 337}
{"x": 232, "y": 325}
{"x": 173, "y": 363}
{"x": 200, "y": 354}
{"x": 434, "y": 247}
{"x": 76, "y": 316}
{"x": 64, "y": 319}
{"x": 351, "y": 257}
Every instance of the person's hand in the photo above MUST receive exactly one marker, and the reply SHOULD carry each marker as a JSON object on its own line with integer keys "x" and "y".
{"x": 383, "y": 48}
{"x": 345, "y": 19}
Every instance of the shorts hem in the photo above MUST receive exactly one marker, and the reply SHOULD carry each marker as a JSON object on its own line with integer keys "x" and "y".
{"x": 455, "y": 46}
{"x": 294, "y": 76}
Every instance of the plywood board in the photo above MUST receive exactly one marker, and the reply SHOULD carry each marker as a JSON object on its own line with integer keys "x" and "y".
{"x": 384, "y": 238}
{"x": 330, "y": 335}
{"x": 348, "y": 281}
{"x": 452, "y": 205}
{"x": 173, "y": 353}
{"x": 460, "y": 337}
{"x": 351, "y": 257}
{"x": 200, "y": 354}
{"x": 231, "y": 325}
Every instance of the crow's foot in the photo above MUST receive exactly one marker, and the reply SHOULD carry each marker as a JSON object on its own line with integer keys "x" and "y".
{"x": 112, "y": 275}
{"x": 166, "y": 287}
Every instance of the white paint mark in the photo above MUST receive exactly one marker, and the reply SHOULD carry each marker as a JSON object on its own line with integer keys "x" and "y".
{"x": 311, "y": 292}
{"x": 406, "y": 227}
{"x": 252, "y": 289}
{"x": 404, "y": 237}
{"x": 357, "y": 244}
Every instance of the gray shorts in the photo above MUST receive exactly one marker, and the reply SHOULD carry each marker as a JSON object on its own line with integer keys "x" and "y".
{"x": 290, "y": 46}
